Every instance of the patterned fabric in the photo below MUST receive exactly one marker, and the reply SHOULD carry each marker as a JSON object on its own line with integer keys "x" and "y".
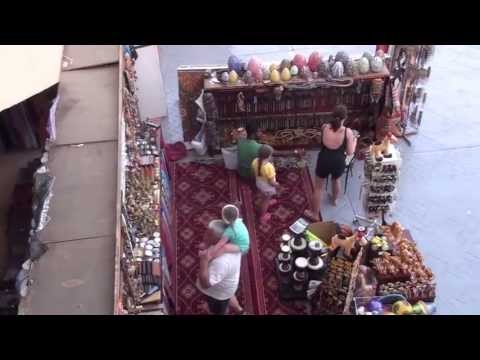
{"x": 200, "y": 193}
{"x": 292, "y": 202}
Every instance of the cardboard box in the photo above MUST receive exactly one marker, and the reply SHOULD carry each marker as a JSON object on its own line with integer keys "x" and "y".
{"x": 325, "y": 230}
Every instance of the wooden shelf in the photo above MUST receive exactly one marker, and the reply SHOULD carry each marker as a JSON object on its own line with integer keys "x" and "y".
{"x": 209, "y": 85}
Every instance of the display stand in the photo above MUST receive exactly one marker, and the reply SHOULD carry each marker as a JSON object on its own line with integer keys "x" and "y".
{"x": 292, "y": 118}
{"x": 142, "y": 251}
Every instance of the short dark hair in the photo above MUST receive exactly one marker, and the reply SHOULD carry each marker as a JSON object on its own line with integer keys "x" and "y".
{"x": 251, "y": 128}
{"x": 339, "y": 114}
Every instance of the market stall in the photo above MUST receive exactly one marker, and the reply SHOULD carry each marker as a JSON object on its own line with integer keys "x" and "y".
{"x": 374, "y": 270}
{"x": 144, "y": 251}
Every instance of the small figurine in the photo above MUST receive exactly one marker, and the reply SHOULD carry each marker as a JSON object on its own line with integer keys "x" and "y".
{"x": 397, "y": 231}
{"x": 346, "y": 243}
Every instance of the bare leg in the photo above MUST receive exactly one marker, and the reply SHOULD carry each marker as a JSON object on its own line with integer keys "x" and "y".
{"x": 235, "y": 305}
{"x": 317, "y": 199}
{"x": 335, "y": 190}
{"x": 265, "y": 204}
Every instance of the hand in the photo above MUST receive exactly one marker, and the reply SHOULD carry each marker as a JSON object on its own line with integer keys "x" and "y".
{"x": 203, "y": 254}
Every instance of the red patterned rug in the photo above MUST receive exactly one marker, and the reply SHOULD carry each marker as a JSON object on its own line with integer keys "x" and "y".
{"x": 200, "y": 193}
{"x": 292, "y": 202}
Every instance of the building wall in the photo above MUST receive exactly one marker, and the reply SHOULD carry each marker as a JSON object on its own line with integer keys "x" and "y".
{"x": 151, "y": 93}
{"x": 26, "y": 70}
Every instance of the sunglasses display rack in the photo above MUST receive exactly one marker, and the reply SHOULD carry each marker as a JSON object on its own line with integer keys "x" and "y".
{"x": 382, "y": 181}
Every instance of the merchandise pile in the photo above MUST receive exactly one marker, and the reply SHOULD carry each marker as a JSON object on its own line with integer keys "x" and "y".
{"x": 142, "y": 250}
{"x": 300, "y": 69}
{"x": 376, "y": 270}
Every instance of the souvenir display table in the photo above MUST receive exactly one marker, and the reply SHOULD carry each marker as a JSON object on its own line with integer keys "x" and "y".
{"x": 289, "y": 101}
{"x": 142, "y": 272}
{"x": 366, "y": 271}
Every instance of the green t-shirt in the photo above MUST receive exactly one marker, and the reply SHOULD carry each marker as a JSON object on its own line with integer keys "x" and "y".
{"x": 247, "y": 152}
{"x": 237, "y": 233}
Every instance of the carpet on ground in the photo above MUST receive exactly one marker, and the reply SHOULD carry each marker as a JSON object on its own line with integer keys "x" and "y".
{"x": 200, "y": 193}
{"x": 294, "y": 198}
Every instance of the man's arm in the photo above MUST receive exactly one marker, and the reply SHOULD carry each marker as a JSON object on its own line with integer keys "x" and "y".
{"x": 204, "y": 276}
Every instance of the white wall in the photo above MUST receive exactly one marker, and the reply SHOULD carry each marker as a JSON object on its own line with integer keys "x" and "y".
{"x": 26, "y": 70}
{"x": 151, "y": 93}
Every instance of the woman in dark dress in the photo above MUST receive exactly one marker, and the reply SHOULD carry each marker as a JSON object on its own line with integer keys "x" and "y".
{"x": 337, "y": 142}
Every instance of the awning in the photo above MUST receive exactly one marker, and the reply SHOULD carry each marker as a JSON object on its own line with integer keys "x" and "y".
{"x": 26, "y": 70}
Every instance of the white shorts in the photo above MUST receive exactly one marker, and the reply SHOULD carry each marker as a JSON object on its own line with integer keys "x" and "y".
{"x": 265, "y": 187}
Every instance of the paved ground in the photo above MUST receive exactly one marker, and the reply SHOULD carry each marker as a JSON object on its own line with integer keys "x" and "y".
{"x": 438, "y": 198}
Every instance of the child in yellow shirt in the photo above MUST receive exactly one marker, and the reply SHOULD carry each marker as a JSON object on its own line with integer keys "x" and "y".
{"x": 265, "y": 179}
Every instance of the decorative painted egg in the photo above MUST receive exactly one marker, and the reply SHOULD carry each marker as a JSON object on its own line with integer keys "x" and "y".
{"x": 258, "y": 74}
{"x": 275, "y": 76}
{"x": 254, "y": 64}
{"x": 337, "y": 70}
{"x": 248, "y": 77}
{"x": 306, "y": 74}
{"x": 323, "y": 69}
{"x": 314, "y": 61}
{"x": 224, "y": 77}
{"x": 363, "y": 65}
{"x": 266, "y": 74}
{"x": 380, "y": 53}
{"x": 285, "y": 75}
{"x": 376, "y": 64}
{"x": 331, "y": 62}
{"x": 234, "y": 64}
{"x": 341, "y": 56}
{"x": 232, "y": 77}
{"x": 349, "y": 68}
{"x": 285, "y": 64}
{"x": 315, "y": 75}
{"x": 402, "y": 308}
{"x": 273, "y": 66}
{"x": 294, "y": 70}
{"x": 368, "y": 56}
{"x": 299, "y": 60}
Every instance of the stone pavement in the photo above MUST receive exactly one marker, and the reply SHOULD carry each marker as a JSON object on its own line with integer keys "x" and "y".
{"x": 438, "y": 201}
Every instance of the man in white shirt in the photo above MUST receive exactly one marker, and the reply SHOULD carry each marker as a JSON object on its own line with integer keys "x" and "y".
{"x": 219, "y": 278}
